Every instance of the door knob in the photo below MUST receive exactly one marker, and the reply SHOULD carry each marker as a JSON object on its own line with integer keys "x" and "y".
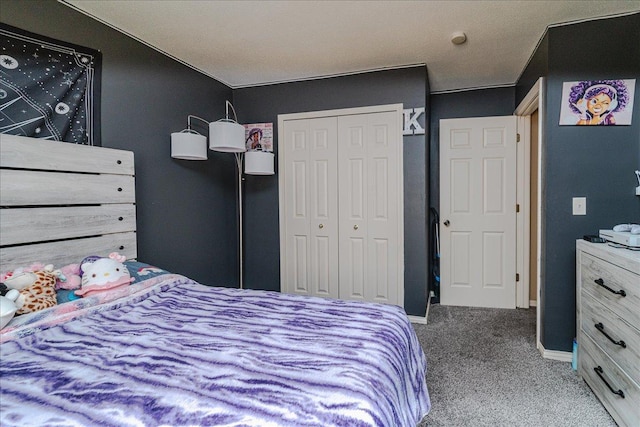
{"x": 355, "y": 227}
{"x": 446, "y": 223}
{"x": 321, "y": 226}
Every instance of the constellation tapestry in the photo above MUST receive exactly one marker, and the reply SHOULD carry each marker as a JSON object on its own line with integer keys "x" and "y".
{"x": 48, "y": 89}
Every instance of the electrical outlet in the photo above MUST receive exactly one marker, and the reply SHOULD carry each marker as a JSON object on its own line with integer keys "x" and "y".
{"x": 579, "y": 205}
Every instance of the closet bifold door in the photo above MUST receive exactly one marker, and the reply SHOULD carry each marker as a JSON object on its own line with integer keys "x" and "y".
{"x": 368, "y": 171}
{"x": 341, "y": 204}
{"x": 311, "y": 207}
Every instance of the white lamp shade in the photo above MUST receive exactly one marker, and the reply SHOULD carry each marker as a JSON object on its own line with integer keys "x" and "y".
{"x": 226, "y": 136}
{"x": 258, "y": 163}
{"x": 188, "y": 146}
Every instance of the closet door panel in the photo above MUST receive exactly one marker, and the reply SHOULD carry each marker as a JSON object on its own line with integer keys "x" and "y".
{"x": 296, "y": 273}
{"x": 367, "y": 168}
{"x": 384, "y": 139}
{"x": 311, "y": 254}
{"x": 324, "y": 207}
{"x": 352, "y": 203}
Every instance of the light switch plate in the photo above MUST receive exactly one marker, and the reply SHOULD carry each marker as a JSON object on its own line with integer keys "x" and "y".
{"x": 579, "y": 205}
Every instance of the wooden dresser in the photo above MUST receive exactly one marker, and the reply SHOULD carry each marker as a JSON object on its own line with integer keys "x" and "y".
{"x": 608, "y": 324}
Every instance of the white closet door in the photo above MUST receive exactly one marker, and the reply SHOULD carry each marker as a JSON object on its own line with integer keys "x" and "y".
{"x": 369, "y": 153}
{"x": 310, "y": 266}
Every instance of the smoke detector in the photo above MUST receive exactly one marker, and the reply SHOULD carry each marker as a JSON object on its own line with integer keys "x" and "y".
{"x": 458, "y": 38}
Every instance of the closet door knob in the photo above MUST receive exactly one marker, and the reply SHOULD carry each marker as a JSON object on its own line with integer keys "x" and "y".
{"x": 321, "y": 226}
{"x": 446, "y": 223}
{"x": 355, "y": 227}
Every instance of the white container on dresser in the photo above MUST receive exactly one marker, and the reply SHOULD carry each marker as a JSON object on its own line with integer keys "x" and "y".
{"x": 608, "y": 324}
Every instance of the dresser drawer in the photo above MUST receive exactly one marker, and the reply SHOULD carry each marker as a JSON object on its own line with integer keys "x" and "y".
{"x": 627, "y": 352}
{"x": 625, "y": 410}
{"x": 598, "y": 275}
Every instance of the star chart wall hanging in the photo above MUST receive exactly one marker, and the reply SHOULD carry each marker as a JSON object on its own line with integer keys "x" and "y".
{"x": 48, "y": 89}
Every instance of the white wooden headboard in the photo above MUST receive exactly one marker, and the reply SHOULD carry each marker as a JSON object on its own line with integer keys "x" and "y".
{"x": 61, "y": 202}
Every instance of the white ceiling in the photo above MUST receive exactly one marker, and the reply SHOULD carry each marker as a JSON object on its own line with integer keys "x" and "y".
{"x": 250, "y": 43}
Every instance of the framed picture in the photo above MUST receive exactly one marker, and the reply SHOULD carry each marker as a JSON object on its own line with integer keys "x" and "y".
{"x": 597, "y": 102}
{"x": 259, "y": 137}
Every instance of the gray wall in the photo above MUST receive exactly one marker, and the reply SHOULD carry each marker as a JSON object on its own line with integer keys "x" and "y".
{"x": 537, "y": 66}
{"x": 187, "y": 212}
{"x": 263, "y": 104}
{"x": 596, "y": 162}
{"x": 454, "y": 105}
{"x": 186, "y": 215}
{"x": 581, "y": 161}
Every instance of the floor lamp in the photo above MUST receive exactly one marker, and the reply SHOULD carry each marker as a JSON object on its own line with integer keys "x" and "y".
{"x": 228, "y": 136}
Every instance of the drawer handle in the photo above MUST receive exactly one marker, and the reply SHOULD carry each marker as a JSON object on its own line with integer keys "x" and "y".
{"x": 600, "y": 327}
{"x": 599, "y": 371}
{"x": 621, "y": 292}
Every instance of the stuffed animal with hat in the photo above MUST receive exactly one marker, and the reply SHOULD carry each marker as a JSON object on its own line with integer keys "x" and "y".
{"x": 103, "y": 274}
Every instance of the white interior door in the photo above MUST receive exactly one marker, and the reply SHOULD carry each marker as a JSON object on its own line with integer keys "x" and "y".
{"x": 311, "y": 207}
{"x": 368, "y": 166}
{"x": 478, "y": 212}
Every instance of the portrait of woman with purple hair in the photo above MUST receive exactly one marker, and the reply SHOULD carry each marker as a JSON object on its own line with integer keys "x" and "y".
{"x": 254, "y": 140}
{"x": 259, "y": 137}
{"x": 597, "y": 102}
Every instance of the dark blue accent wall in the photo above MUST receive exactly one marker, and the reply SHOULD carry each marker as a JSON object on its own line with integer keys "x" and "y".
{"x": 596, "y": 162}
{"x": 263, "y": 104}
{"x": 456, "y": 105}
{"x": 185, "y": 210}
{"x": 453, "y": 105}
{"x": 537, "y": 67}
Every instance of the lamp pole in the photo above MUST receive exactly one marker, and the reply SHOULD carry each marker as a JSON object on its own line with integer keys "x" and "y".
{"x": 240, "y": 255}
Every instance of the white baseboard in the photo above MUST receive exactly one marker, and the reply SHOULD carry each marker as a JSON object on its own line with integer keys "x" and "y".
{"x": 533, "y": 303}
{"x": 417, "y": 319}
{"x": 562, "y": 356}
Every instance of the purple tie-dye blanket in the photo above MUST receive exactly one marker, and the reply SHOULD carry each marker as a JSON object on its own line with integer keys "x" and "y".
{"x": 179, "y": 353}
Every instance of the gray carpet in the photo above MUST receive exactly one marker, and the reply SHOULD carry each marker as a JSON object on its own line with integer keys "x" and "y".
{"x": 484, "y": 370}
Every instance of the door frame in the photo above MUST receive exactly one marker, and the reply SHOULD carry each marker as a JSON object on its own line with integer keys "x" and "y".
{"x": 398, "y": 109}
{"x": 534, "y": 100}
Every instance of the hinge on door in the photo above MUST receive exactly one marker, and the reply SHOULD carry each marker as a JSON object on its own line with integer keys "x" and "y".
{"x": 517, "y": 277}
{"x": 517, "y": 208}
{"x": 517, "y": 137}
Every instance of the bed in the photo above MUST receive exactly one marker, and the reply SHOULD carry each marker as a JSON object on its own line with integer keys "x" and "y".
{"x": 167, "y": 350}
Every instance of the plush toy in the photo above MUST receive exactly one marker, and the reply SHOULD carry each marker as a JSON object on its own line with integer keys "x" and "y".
{"x": 69, "y": 277}
{"x": 37, "y": 289}
{"x": 20, "y": 281}
{"x": 32, "y": 268}
{"x": 103, "y": 274}
{"x": 87, "y": 261}
{"x": 9, "y": 305}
